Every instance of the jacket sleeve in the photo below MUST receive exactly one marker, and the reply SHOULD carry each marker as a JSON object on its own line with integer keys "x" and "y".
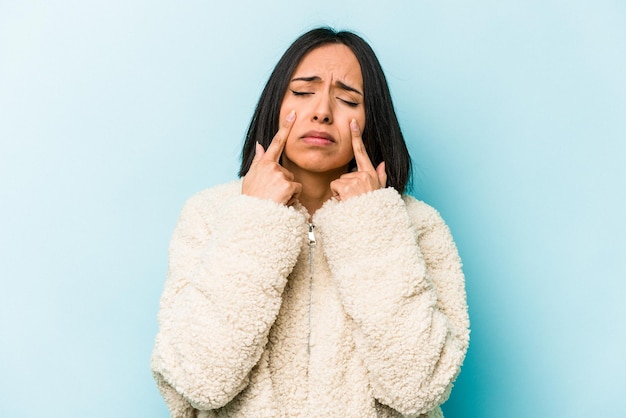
{"x": 399, "y": 278}
{"x": 229, "y": 259}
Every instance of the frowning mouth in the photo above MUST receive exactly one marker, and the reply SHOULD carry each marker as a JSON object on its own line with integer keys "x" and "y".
{"x": 318, "y": 137}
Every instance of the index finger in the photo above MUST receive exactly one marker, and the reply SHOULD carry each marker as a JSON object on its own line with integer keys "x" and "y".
{"x": 363, "y": 162}
{"x": 275, "y": 149}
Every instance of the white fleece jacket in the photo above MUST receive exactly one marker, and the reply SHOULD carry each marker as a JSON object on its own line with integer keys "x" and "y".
{"x": 369, "y": 321}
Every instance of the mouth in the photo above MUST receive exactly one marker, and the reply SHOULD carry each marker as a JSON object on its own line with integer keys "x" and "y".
{"x": 318, "y": 138}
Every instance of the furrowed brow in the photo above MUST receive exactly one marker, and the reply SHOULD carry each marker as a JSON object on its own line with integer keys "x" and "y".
{"x": 308, "y": 79}
{"x": 348, "y": 88}
{"x": 340, "y": 84}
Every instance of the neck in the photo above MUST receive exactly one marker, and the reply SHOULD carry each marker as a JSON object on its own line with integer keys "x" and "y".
{"x": 315, "y": 187}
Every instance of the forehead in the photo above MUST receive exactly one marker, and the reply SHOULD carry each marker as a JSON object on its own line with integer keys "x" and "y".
{"x": 335, "y": 61}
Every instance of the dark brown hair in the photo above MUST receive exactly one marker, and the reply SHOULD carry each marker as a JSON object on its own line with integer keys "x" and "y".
{"x": 382, "y": 135}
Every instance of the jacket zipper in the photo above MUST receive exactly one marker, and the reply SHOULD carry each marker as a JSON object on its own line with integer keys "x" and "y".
{"x": 312, "y": 243}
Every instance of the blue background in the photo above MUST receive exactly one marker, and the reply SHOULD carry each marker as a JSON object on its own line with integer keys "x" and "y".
{"x": 112, "y": 113}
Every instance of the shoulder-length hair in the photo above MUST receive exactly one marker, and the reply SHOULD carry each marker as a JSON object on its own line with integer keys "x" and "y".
{"x": 382, "y": 136}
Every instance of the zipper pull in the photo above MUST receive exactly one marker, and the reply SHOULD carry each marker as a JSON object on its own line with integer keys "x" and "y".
{"x": 312, "y": 241}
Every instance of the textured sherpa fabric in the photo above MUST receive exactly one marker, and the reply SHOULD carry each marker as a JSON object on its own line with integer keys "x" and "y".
{"x": 371, "y": 321}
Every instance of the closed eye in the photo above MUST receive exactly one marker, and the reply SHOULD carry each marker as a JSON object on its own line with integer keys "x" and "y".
{"x": 300, "y": 93}
{"x": 349, "y": 103}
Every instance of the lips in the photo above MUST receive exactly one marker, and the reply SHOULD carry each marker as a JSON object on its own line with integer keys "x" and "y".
{"x": 318, "y": 136}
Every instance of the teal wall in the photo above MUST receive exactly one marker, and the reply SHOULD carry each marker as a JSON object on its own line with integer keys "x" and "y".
{"x": 112, "y": 113}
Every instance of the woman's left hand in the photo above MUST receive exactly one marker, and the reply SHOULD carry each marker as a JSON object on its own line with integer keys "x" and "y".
{"x": 366, "y": 178}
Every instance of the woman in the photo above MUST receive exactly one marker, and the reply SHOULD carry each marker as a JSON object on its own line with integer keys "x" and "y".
{"x": 312, "y": 287}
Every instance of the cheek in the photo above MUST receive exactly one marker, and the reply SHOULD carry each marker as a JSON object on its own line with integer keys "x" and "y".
{"x": 358, "y": 114}
{"x": 286, "y": 106}
{"x": 293, "y": 134}
{"x": 284, "y": 109}
{"x": 361, "y": 118}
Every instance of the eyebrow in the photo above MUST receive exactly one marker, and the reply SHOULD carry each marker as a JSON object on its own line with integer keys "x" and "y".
{"x": 340, "y": 84}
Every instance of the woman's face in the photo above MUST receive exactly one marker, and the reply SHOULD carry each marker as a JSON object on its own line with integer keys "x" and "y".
{"x": 326, "y": 91}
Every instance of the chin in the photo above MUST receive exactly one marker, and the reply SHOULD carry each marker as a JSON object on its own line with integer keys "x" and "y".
{"x": 327, "y": 169}
{"x": 312, "y": 166}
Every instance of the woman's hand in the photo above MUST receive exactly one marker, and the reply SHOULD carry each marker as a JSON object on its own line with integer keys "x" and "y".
{"x": 366, "y": 178}
{"x": 266, "y": 178}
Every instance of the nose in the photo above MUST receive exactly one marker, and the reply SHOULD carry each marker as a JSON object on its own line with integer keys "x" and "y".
{"x": 323, "y": 112}
{"x": 325, "y": 119}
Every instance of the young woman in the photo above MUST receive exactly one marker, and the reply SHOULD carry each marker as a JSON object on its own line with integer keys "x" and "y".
{"x": 313, "y": 287}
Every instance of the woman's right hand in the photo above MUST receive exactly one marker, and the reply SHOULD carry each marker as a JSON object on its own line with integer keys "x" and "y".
{"x": 266, "y": 178}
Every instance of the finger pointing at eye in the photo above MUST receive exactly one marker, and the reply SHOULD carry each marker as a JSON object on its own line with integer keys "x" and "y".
{"x": 363, "y": 162}
{"x": 277, "y": 145}
{"x": 266, "y": 178}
